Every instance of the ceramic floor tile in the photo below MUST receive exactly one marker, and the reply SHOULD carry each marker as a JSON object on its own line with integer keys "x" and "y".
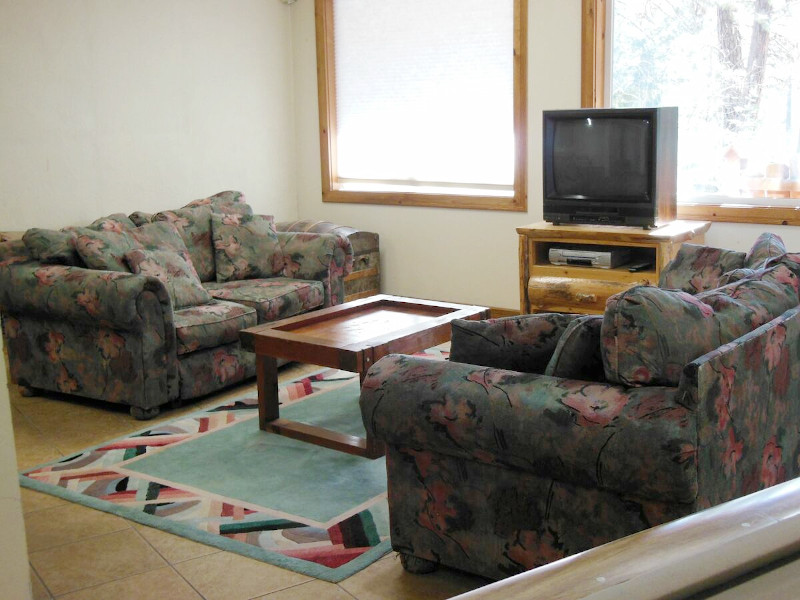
{"x": 32, "y": 446}
{"x": 94, "y": 561}
{"x": 313, "y": 590}
{"x": 38, "y": 591}
{"x": 174, "y": 548}
{"x": 227, "y": 576}
{"x": 387, "y": 580}
{"x": 159, "y": 584}
{"x": 33, "y": 500}
{"x": 68, "y": 523}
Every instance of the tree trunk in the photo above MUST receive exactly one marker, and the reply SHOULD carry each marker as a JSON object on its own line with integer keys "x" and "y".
{"x": 730, "y": 46}
{"x": 757, "y": 59}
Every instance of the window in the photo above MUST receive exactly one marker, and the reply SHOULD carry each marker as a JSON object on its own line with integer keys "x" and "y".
{"x": 422, "y": 102}
{"x": 731, "y": 66}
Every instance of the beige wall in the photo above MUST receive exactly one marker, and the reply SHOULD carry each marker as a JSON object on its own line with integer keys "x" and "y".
{"x": 15, "y": 579}
{"x": 113, "y": 105}
{"x": 457, "y": 255}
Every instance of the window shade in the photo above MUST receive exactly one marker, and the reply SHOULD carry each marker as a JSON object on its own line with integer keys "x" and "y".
{"x": 424, "y": 92}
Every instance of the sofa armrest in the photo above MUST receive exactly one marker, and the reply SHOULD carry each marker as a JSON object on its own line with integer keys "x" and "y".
{"x": 321, "y": 257}
{"x": 519, "y": 343}
{"x": 746, "y": 397}
{"x": 76, "y": 294}
{"x": 588, "y": 434}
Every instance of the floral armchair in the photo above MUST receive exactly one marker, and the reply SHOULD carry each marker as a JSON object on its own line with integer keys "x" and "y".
{"x": 545, "y": 435}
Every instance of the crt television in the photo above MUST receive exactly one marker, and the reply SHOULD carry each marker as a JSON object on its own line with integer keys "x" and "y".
{"x": 612, "y": 166}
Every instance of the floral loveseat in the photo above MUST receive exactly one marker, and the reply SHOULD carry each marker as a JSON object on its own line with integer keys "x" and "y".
{"x": 546, "y": 435}
{"x": 146, "y": 309}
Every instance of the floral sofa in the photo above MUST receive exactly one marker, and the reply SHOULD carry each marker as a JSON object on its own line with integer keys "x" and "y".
{"x": 545, "y": 435}
{"x": 146, "y": 309}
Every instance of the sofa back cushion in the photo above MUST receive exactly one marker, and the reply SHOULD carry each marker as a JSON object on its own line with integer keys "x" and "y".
{"x": 767, "y": 246}
{"x": 649, "y": 334}
{"x": 106, "y": 249}
{"x": 245, "y": 247}
{"x": 577, "y": 354}
{"x": 698, "y": 268}
{"x": 193, "y": 222}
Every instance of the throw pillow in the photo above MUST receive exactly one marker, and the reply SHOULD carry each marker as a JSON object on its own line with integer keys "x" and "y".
{"x": 174, "y": 271}
{"x": 698, "y": 268}
{"x": 524, "y": 343}
{"x": 224, "y": 202}
{"x": 106, "y": 250}
{"x": 52, "y": 247}
{"x": 768, "y": 245}
{"x": 245, "y": 247}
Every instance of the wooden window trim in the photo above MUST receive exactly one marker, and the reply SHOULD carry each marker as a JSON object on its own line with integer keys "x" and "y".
{"x": 593, "y": 49}
{"x": 332, "y": 192}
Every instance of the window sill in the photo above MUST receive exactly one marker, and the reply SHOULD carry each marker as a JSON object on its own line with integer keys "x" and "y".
{"x": 740, "y": 213}
{"x": 517, "y": 203}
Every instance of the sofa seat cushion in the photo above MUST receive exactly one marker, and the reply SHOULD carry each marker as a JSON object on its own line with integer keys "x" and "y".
{"x": 649, "y": 334}
{"x": 211, "y": 325}
{"x": 274, "y": 298}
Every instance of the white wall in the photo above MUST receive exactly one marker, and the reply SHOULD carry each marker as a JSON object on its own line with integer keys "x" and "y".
{"x": 459, "y": 255}
{"x": 15, "y": 580}
{"x": 118, "y": 105}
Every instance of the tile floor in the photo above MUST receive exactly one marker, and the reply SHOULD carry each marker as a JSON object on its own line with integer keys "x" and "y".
{"x": 78, "y": 553}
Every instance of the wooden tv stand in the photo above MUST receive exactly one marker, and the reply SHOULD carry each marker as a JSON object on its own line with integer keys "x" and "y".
{"x": 545, "y": 287}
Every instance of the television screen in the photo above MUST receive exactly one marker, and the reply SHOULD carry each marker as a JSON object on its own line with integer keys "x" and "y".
{"x": 603, "y": 158}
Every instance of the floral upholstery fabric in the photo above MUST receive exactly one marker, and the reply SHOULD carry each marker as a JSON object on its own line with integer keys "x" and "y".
{"x": 524, "y": 343}
{"x": 140, "y": 218}
{"x": 767, "y": 246}
{"x": 211, "y": 325}
{"x": 698, "y": 268}
{"x": 118, "y": 222}
{"x": 106, "y": 333}
{"x": 68, "y": 343}
{"x": 273, "y": 299}
{"x": 320, "y": 257}
{"x": 194, "y": 227}
{"x": 577, "y": 354}
{"x": 245, "y": 247}
{"x": 52, "y": 247}
{"x": 213, "y": 369}
{"x": 106, "y": 250}
{"x": 177, "y": 275}
{"x": 649, "y": 334}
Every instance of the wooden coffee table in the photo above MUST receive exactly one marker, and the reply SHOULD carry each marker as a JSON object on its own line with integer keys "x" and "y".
{"x": 352, "y": 337}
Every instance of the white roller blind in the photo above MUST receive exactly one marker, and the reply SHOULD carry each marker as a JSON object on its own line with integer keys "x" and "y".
{"x": 425, "y": 91}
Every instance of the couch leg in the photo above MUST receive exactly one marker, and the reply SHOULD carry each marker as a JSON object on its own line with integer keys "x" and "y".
{"x": 144, "y": 414}
{"x": 416, "y": 565}
{"x": 27, "y": 392}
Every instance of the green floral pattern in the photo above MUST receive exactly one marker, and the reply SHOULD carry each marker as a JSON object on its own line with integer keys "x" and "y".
{"x": 245, "y": 247}
{"x": 173, "y": 271}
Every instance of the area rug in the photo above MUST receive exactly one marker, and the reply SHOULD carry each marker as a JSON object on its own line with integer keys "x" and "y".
{"x": 214, "y": 477}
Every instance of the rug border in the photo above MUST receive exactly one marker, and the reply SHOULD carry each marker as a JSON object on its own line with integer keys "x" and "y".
{"x": 329, "y": 574}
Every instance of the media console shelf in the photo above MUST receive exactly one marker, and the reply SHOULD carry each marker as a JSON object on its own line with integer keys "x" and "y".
{"x": 545, "y": 287}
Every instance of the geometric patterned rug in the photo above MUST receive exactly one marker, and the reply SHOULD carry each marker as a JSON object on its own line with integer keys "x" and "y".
{"x": 214, "y": 477}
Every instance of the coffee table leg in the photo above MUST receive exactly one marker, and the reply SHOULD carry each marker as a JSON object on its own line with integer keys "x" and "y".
{"x": 267, "y": 382}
